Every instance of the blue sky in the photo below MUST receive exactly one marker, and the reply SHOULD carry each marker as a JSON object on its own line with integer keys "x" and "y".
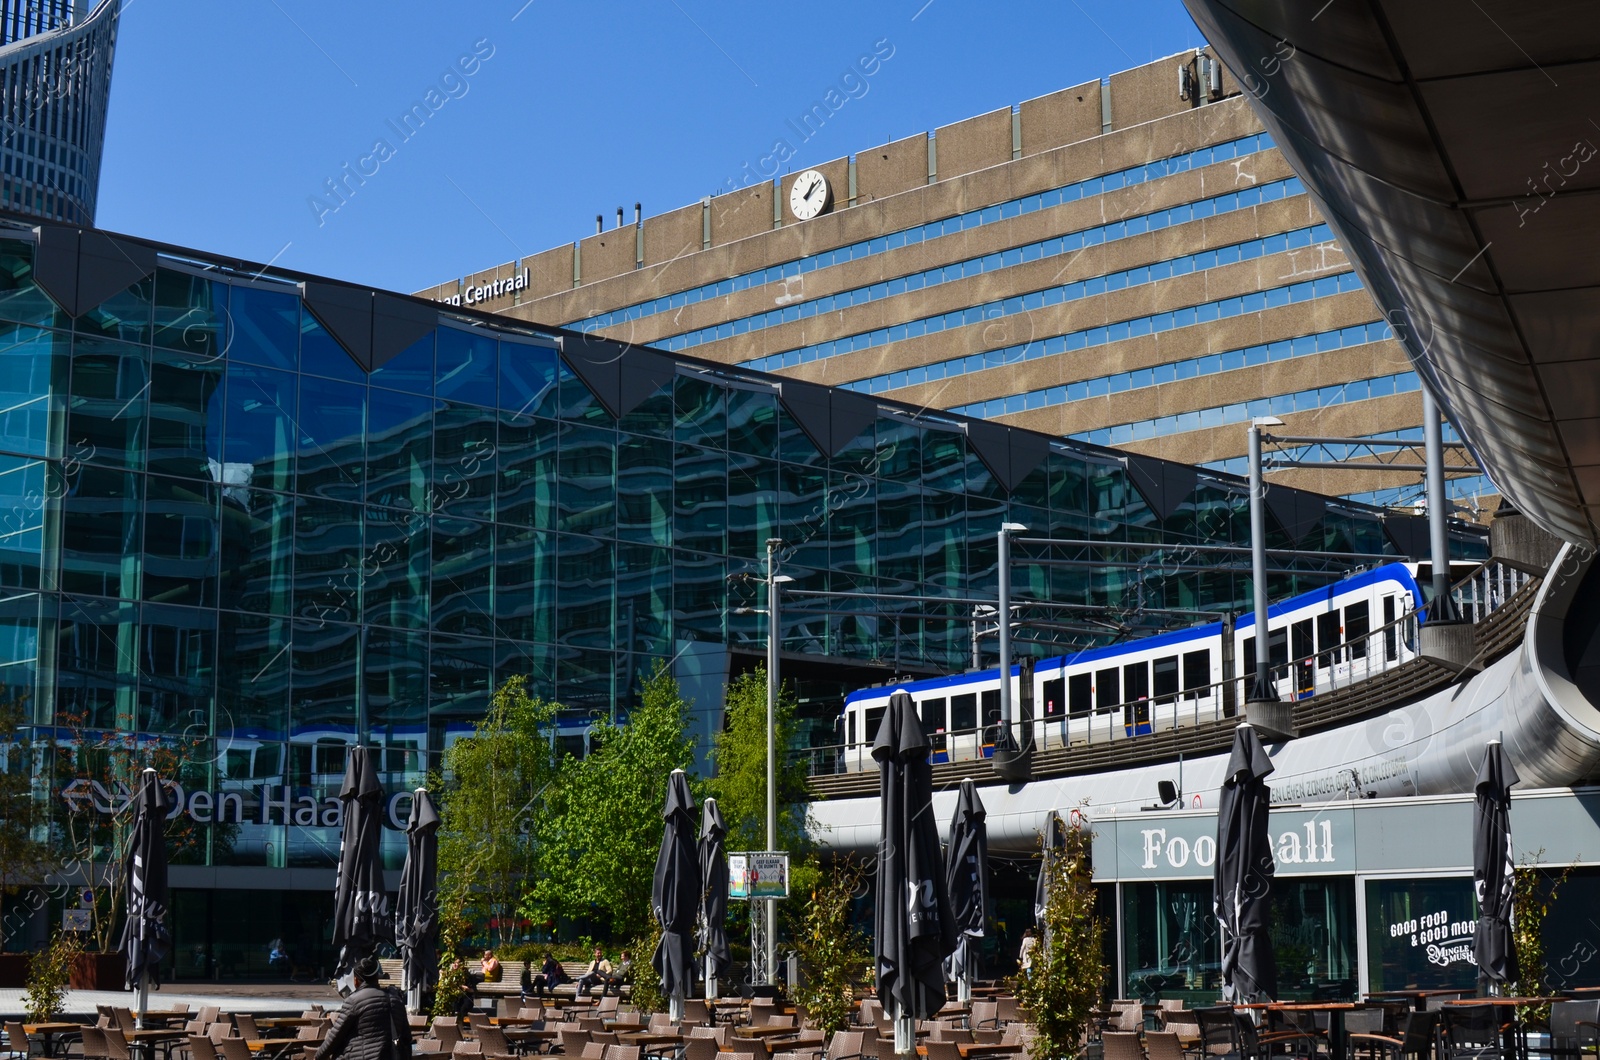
{"x": 228, "y": 117}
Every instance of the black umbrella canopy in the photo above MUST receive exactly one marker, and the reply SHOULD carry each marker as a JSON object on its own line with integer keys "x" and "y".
{"x": 416, "y": 916}
{"x": 675, "y": 890}
{"x": 145, "y": 938}
{"x": 1493, "y": 868}
{"x": 966, "y": 876}
{"x": 915, "y": 928}
{"x": 361, "y": 917}
{"x": 1243, "y": 873}
{"x": 714, "y": 880}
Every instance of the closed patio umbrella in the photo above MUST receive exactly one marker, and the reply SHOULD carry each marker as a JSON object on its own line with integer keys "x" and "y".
{"x": 1243, "y": 875}
{"x": 1052, "y": 842}
{"x": 966, "y": 875}
{"x": 675, "y": 894}
{"x": 915, "y": 930}
{"x": 1493, "y": 870}
{"x": 145, "y": 938}
{"x": 714, "y": 881}
{"x": 361, "y": 917}
{"x": 416, "y": 916}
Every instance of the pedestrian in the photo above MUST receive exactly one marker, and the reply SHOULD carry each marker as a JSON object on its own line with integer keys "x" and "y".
{"x": 371, "y": 1025}
{"x": 1030, "y": 943}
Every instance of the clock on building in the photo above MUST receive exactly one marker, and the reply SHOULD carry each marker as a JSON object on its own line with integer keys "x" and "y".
{"x": 809, "y": 195}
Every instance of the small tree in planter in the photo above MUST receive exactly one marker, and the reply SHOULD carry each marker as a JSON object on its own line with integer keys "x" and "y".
{"x": 48, "y": 973}
{"x": 834, "y": 955}
{"x": 1067, "y": 967}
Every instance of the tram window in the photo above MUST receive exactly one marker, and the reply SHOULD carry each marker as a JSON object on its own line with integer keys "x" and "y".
{"x": 874, "y": 719}
{"x": 1107, "y": 688}
{"x": 1389, "y": 646}
{"x": 1249, "y": 656}
{"x": 1054, "y": 701}
{"x": 1135, "y": 681}
{"x": 932, "y": 713}
{"x": 1328, "y": 639}
{"x": 964, "y": 712}
{"x": 1080, "y": 692}
{"x": 1357, "y": 625}
{"x": 1278, "y": 646}
{"x": 1302, "y": 648}
{"x": 850, "y": 729}
{"x": 991, "y": 706}
{"x": 1166, "y": 679}
{"x": 1196, "y": 671}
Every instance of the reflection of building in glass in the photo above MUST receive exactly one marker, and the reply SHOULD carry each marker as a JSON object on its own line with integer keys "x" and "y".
{"x": 273, "y": 516}
{"x": 55, "y": 85}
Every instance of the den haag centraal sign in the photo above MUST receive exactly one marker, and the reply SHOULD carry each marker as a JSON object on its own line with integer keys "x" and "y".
{"x": 1305, "y": 842}
{"x": 269, "y": 804}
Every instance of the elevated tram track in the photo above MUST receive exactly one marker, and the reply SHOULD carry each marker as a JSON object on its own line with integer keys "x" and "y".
{"x": 1415, "y": 729}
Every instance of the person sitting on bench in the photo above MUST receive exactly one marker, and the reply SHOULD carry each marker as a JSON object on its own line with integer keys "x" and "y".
{"x": 618, "y": 976}
{"x": 595, "y": 974}
{"x": 545, "y": 981}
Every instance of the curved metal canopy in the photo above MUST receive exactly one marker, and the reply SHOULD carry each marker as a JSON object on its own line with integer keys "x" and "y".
{"x": 1455, "y": 149}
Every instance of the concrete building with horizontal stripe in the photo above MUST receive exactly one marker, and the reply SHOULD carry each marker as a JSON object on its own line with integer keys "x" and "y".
{"x": 1129, "y": 261}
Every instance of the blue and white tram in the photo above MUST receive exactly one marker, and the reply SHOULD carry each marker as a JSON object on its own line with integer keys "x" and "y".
{"x": 1317, "y": 640}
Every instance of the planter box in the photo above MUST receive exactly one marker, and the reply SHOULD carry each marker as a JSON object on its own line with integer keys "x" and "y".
{"x": 98, "y": 971}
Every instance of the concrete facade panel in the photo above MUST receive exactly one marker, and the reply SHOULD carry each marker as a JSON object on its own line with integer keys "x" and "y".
{"x": 1060, "y": 118}
{"x": 892, "y": 168}
{"x": 976, "y": 143}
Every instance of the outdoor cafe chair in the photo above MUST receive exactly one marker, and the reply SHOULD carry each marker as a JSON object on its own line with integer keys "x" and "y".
{"x": 622, "y": 1052}
{"x": 1574, "y": 1027}
{"x": 987, "y": 1035}
{"x": 985, "y": 1014}
{"x": 1416, "y": 1038}
{"x": 776, "y": 1020}
{"x": 696, "y": 1011}
{"x": 492, "y": 1039}
{"x": 94, "y": 1043}
{"x": 201, "y": 1048}
{"x": 1122, "y": 1045}
{"x": 18, "y": 1046}
{"x": 1470, "y": 1032}
{"x": 1009, "y": 1010}
{"x": 1163, "y": 1045}
{"x": 573, "y": 1041}
{"x": 698, "y": 1048}
{"x": 950, "y": 1051}
{"x": 236, "y": 1049}
{"x": 610, "y": 1002}
{"x": 116, "y": 1044}
{"x": 210, "y": 1014}
{"x": 246, "y": 1025}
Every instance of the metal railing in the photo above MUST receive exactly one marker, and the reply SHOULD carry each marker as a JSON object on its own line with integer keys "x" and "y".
{"x": 1336, "y": 668}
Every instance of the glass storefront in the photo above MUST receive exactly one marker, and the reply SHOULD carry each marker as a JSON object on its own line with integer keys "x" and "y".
{"x": 228, "y": 536}
{"x": 1419, "y": 934}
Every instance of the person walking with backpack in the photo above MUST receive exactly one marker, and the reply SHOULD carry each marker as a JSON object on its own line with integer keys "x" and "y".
{"x": 371, "y": 1025}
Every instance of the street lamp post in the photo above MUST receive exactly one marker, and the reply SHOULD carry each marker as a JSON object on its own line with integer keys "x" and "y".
{"x": 774, "y": 641}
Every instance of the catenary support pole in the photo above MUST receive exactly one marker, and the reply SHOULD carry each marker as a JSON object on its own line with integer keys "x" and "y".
{"x": 1443, "y": 608}
{"x": 1262, "y": 689}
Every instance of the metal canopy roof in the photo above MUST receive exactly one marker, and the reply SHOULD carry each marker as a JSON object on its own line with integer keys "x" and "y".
{"x": 1455, "y": 149}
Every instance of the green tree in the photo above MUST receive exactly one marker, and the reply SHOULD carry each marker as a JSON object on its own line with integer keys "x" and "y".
{"x": 26, "y": 856}
{"x": 496, "y": 782}
{"x": 598, "y": 836}
{"x": 739, "y": 757}
{"x": 1067, "y": 968}
{"x": 835, "y": 955}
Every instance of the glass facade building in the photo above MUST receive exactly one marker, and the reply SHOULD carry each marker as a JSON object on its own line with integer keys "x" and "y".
{"x": 259, "y": 517}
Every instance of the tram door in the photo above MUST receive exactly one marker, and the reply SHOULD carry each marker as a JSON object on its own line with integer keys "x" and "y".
{"x": 1301, "y": 648}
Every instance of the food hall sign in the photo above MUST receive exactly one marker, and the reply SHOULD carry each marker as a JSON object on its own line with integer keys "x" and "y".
{"x": 1304, "y": 842}
{"x": 269, "y": 804}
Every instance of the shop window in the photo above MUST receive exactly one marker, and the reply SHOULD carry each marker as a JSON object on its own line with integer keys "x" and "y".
{"x": 1419, "y": 934}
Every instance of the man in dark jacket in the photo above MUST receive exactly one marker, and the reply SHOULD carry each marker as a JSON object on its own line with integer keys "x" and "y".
{"x": 372, "y": 1024}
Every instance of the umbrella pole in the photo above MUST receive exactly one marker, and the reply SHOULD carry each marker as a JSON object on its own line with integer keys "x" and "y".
{"x": 905, "y": 1036}
{"x": 675, "y": 1008}
{"x": 144, "y": 996}
{"x": 711, "y": 979}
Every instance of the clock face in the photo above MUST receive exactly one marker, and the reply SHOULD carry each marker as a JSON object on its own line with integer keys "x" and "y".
{"x": 809, "y": 195}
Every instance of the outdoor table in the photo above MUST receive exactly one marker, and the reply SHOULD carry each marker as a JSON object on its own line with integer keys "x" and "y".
{"x": 165, "y": 1016}
{"x": 290, "y": 1021}
{"x": 764, "y": 1032}
{"x": 47, "y": 1031}
{"x": 969, "y": 1050}
{"x": 1417, "y": 997}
